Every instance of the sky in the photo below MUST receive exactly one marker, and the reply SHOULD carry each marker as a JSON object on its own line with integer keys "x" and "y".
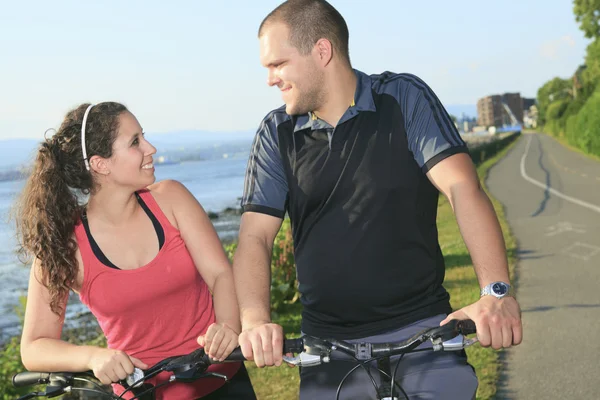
{"x": 194, "y": 64}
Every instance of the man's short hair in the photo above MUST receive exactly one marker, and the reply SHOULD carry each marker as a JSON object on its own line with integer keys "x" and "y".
{"x": 309, "y": 21}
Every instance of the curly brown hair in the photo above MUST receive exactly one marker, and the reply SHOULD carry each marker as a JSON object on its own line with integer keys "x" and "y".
{"x": 50, "y": 204}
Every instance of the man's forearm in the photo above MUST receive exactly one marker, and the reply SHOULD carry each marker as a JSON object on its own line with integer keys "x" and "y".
{"x": 252, "y": 276}
{"x": 225, "y": 303}
{"x": 481, "y": 232}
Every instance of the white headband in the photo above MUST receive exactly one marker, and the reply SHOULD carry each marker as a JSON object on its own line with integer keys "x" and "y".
{"x": 85, "y": 116}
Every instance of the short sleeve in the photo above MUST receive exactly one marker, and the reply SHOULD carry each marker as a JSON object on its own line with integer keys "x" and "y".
{"x": 432, "y": 135}
{"x": 265, "y": 185}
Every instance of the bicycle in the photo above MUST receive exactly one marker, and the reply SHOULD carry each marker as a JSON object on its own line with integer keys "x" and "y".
{"x": 310, "y": 351}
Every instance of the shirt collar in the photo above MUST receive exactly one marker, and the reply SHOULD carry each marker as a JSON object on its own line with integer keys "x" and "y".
{"x": 364, "y": 92}
{"x": 363, "y": 101}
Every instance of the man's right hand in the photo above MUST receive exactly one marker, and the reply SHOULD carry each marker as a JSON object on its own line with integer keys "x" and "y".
{"x": 263, "y": 343}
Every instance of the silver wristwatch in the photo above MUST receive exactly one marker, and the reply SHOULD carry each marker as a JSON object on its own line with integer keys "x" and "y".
{"x": 498, "y": 290}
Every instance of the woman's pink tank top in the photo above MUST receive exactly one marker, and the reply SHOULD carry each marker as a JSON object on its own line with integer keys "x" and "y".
{"x": 154, "y": 311}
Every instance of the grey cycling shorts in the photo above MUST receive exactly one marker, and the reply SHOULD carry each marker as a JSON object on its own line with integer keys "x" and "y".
{"x": 425, "y": 375}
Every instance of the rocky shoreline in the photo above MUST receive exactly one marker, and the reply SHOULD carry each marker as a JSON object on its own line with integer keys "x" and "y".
{"x": 226, "y": 223}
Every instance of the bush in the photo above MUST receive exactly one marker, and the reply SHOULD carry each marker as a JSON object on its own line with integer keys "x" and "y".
{"x": 10, "y": 360}
{"x": 87, "y": 332}
{"x": 573, "y": 107}
{"x": 556, "y": 109}
{"x": 571, "y": 129}
{"x": 284, "y": 285}
{"x": 486, "y": 151}
{"x": 555, "y": 123}
{"x": 10, "y": 364}
{"x": 587, "y": 128}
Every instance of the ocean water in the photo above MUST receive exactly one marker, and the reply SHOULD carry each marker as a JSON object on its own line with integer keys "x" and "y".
{"x": 217, "y": 184}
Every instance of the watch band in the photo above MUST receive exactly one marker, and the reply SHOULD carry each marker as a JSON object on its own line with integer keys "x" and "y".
{"x": 487, "y": 290}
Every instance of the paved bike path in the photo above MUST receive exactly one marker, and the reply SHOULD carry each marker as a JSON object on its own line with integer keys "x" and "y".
{"x": 551, "y": 199}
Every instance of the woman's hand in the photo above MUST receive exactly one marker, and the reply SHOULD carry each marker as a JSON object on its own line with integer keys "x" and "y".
{"x": 111, "y": 366}
{"x": 219, "y": 341}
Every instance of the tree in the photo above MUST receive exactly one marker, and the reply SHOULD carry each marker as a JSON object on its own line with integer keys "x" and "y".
{"x": 553, "y": 90}
{"x": 587, "y": 13}
{"x": 591, "y": 74}
{"x": 587, "y": 126}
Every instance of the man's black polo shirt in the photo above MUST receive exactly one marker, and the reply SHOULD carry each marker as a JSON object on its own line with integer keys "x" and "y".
{"x": 362, "y": 210}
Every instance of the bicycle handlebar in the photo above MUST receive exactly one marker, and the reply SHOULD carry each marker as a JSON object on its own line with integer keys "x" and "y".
{"x": 30, "y": 378}
{"x": 311, "y": 351}
{"x": 449, "y": 337}
{"x": 289, "y": 346}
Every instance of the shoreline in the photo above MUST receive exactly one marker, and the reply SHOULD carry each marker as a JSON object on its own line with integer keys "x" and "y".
{"x": 227, "y": 223}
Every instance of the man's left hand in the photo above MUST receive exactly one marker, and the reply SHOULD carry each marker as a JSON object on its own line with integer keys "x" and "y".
{"x": 498, "y": 321}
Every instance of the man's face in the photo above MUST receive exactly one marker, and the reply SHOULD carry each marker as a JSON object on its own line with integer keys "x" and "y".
{"x": 298, "y": 77}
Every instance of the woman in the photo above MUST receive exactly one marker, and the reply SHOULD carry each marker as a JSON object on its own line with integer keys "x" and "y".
{"x": 143, "y": 256}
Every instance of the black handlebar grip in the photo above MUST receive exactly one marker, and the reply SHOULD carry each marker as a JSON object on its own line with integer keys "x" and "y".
{"x": 293, "y": 346}
{"x": 236, "y": 355}
{"x": 30, "y": 378}
{"x": 289, "y": 346}
{"x": 466, "y": 327}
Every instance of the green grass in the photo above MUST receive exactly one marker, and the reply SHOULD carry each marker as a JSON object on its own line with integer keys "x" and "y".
{"x": 282, "y": 382}
{"x": 461, "y": 282}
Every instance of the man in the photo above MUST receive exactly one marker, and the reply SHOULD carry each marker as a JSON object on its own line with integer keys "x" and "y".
{"x": 357, "y": 162}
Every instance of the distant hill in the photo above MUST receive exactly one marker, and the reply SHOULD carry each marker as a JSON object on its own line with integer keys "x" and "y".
{"x": 470, "y": 110}
{"x": 15, "y": 153}
{"x": 174, "y": 140}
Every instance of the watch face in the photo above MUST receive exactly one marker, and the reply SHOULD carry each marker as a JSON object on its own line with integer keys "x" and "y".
{"x": 499, "y": 288}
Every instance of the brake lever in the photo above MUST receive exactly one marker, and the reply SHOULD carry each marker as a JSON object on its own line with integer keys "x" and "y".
{"x": 214, "y": 375}
{"x": 459, "y": 342}
{"x": 306, "y": 360}
{"x": 315, "y": 352}
{"x": 135, "y": 379}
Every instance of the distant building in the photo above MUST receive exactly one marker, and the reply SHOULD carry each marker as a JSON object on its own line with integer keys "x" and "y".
{"x": 489, "y": 111}
{"x": 515, "y": 103}
{"x": 530, "y": 117}
{"x": 468, "y": 124}
{"x": 498, "y": 110}
{"x": 530, "y": 113}
{"x": 527, "y": 103}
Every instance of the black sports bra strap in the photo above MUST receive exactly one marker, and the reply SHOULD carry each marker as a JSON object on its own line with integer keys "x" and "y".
{"x": 160, "y": 233}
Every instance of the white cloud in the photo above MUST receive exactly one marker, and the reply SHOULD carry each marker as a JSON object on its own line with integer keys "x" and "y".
{"x": 444, "y": 71}
{"x": 474, "y": 66}
{"x": 549, "y": 50}
{"x": 556, "y": 49}
{"x": 568, "y": 40}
